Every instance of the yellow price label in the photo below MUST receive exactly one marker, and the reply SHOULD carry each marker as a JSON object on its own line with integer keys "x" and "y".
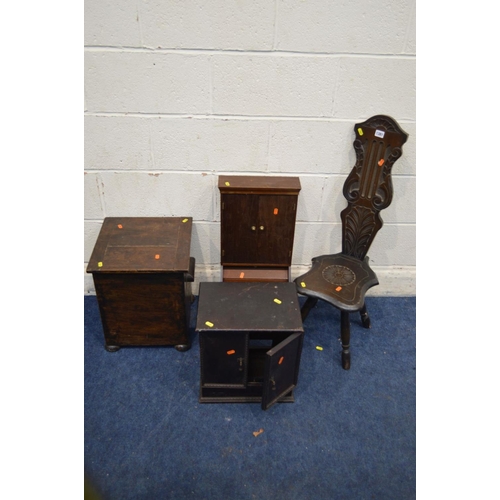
{"x": 185, "y": 220}
{"x": 278, "y": 301}
{"x": 360, "y": 131}
{"x": 209, "y": 323}
{"x": 99, "y": 264}
{"x": 302, "y": 284}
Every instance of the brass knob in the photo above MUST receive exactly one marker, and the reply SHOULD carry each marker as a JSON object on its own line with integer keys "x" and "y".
{"x": 253, "y": 228}
{"x": 262, "y": 228}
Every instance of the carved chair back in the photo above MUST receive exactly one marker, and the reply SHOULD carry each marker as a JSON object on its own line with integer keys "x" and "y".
{"x": 368, "y": 188}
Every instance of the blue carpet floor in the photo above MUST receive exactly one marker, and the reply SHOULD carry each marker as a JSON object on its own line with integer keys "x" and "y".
{"x": 349, "y": 434}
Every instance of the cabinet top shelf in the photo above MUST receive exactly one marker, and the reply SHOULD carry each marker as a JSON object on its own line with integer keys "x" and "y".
{"x": 258, "y": 184}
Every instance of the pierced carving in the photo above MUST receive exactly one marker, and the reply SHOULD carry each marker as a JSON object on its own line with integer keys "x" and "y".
{"x": 339, "y": 275}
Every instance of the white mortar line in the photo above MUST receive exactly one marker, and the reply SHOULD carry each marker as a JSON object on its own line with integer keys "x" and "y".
{"x": 100, "y": 187}
{"x": 151, "y": 145}
{"x": 323, "y": 200}
{"x": 211, "y": 85}
{"x": 270, "y": 131}
{"x": 213, "y": 173}
{"x": 275, "y": 27}
{"x": 339, "y": 223}
{"x": 136, "y": 114}
{"x": 335, "y": 86}
{"x": 409, "y": 24}
{"x": 263, "y": 53}
{"x": 139, "y": 21}
{"x": 297, "y": 222}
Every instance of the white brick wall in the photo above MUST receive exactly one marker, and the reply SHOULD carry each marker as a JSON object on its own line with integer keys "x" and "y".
{"x": 178, "y": 92}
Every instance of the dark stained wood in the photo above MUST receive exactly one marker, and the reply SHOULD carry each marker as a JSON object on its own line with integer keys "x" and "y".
{"x": 281, "y": 370}
{"x": 338, "y": 279}
{"x": 131, "y": 244}
{"x": 144, "y": 300}
{"x": 258, "y": 220}
{"x": 142, "y": 308}
{"x": 220, "y": 369}
{"x": 365, "y": 318}
{"x": 239, "y": 220}
{"x": 345, "y": 336}
{"x": 250, "y": 345}
{"x": 251, "y": 231}
{"x": 368, "y": 188}
{"x": 248, "y": 307}
{"x": 257, "y": 184}
{"x": 275, "y": 233}
{"x": 343, "y": 279}
{"x": 255, "y": 274}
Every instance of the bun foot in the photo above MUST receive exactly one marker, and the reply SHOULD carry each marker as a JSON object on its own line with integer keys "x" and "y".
{"x": 346, "y": 360}
{"x": 112, "y": 348}
{"x": 183, "y": 347}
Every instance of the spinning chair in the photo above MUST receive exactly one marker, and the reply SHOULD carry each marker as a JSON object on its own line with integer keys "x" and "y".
{"x": 342, "y": 279}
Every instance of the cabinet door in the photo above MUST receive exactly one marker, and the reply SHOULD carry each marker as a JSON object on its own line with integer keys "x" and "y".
{"x": 276, "y": 227}
{"x": 239, "y": 217}
{"x": 224, "y": 359}
{"x": 282, "y": 369}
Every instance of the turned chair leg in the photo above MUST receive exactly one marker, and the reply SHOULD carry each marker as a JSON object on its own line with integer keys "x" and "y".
{"x": 365, "y": 319}
{"x": 345, "y": 334}
{"x": 308, "y": 305}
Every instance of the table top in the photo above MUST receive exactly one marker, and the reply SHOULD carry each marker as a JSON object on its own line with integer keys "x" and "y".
{"x": 248, "y": 306}
{"x": 142, "y": 244}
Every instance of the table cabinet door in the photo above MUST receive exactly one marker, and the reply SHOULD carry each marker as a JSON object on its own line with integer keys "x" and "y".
{"x": 282, "y": 370}
{"x": 224, "y": 359}
{"x": 238, "y": 228}
{"x": 276, "y": 227}
{"x": 257, "y": 229}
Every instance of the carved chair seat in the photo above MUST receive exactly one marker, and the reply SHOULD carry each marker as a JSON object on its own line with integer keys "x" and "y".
{"x": 338, "y": 279}
{"x": 342, "y": 279}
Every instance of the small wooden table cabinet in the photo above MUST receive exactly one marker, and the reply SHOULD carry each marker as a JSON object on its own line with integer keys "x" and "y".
{"x": 257, "y": 226}
{"x": 142, "y": 272}
{"x": 251, "y": 338}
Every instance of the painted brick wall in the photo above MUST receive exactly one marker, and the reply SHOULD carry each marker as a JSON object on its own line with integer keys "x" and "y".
{"x": 180, "y": 91}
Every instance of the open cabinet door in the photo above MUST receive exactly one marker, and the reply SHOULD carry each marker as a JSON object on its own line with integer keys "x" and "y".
{"x": 281, "y": 370}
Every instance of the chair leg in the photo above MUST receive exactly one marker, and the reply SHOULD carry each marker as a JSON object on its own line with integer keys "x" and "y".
{"x": 365, "y": 319}
{"x": 345, "y": 335}
{"x": 308, "y": 305}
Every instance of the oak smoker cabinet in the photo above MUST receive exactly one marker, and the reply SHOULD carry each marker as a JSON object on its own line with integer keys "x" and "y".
{"x": 142, "y": 273}
{"x": 251, "y": 338}
{"x": 257, "y": 227}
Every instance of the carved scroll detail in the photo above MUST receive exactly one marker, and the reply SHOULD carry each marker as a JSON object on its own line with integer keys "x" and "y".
{"x": 368, "y": 187}
{"x": 360, "y": 226}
